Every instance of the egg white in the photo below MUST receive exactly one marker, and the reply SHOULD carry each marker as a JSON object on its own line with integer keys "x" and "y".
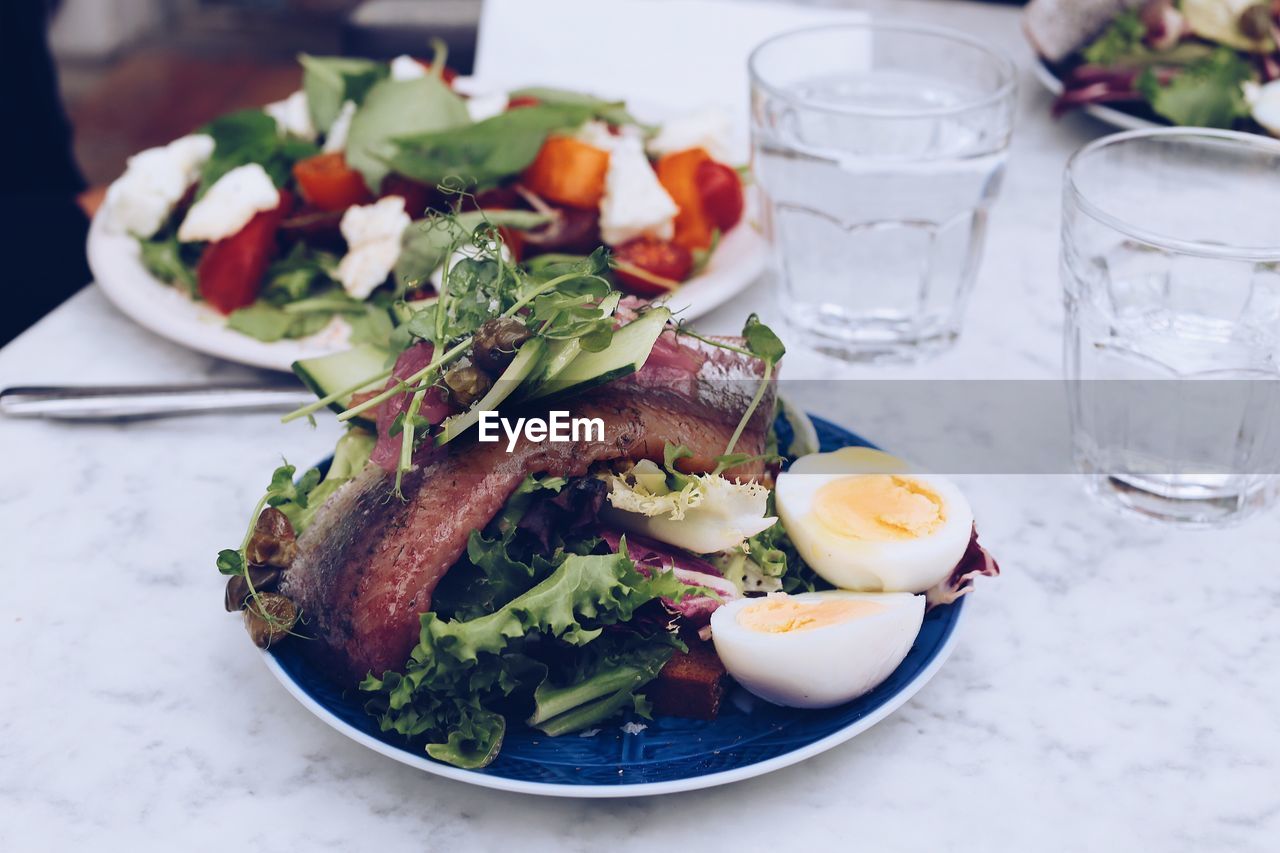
{"x": 824, "y": 666}
{"x": 903, "y": 565}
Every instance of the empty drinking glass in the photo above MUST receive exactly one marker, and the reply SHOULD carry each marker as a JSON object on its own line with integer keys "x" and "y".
{"x": 1171, "y": 272}
{"x": 878, "y": 148}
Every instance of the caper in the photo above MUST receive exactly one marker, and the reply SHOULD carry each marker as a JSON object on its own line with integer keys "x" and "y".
{"x": 1254, "y": 22}
{"x": 280, "y": 615}
{"x": 467, "y": 383}
{"x": 496, "y": 342}
{"x": 273, "y": 542}
{"x": 265, "y": 579}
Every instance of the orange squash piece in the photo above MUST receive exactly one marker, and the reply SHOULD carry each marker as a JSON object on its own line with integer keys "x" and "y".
{"x": 568, "y": 171}
{"x": 678, "y": 174}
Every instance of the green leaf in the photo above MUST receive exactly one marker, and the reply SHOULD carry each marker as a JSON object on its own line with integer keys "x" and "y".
{"x": 230, "y": 562}
{"x": 166, "y": 259}
{"x": 250, "y": 136}
{"x": 472, "y": 746}
{"x": 349, "y": 458}
{"x": 330, "y": 80}
{"x": 270, "y": 323}
{"x": 460, "y": 668}
{"x": 1207, "y": 93}
{"x": 1120, "y": 41}
{"x": 303, "y": 272}
{"x": 426, "y": 242}
{"x": 398, "y": 108}
{"x": 614, "y": 112}
{"x": 761, "y": 340}
{"x": 487, "y": 152}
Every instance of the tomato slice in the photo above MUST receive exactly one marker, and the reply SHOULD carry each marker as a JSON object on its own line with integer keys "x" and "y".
{"x": 721, "y": 193}
{"x": 650, "y": 267}
{"x": 328, "y": 183}
{"x": 230, "y": 270}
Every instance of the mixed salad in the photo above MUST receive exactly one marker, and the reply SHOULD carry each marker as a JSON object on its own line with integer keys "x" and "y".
{"x": 465, "y": 587}
{"x": 1204, "y": 63}
{"x": 313, "y": 215}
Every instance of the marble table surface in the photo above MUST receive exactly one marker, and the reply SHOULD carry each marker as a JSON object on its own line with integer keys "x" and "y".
{"x": 1117, "y": 689}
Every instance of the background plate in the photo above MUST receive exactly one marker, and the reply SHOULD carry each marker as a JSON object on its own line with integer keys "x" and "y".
{"x": 750, "y": 737}
{"x": 1110, "y": 115}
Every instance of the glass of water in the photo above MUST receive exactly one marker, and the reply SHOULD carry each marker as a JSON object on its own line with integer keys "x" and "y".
{"x": 878, "y": 149}
{"x": 1171, "y": 273}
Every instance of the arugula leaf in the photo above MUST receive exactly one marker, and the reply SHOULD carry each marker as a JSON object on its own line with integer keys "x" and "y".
{"x": 1121, "y": 40}
{"x": 330, "y": 80}
{"x": 171, "y": 261}
{"x": 397, "y": 108}
{"x": 484, "y": 153}
{"x": 1207, "y": 93}
{"x": 250, "y": 136}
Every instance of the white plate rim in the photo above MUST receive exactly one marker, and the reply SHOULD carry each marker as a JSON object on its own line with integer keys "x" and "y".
{"x": 641, "y": 789}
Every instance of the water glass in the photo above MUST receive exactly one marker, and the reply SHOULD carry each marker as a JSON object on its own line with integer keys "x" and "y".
{"x": 878, "y": 149}
{"x": 1171, "y": 272}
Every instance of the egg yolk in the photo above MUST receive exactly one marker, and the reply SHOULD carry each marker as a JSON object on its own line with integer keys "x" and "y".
{"x": 878, "y": 507}
{"x": 779, "y": 614}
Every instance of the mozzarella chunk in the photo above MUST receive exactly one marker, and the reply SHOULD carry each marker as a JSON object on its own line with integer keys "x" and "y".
{"x": 405, "y": 67}
{"x": 229, "y": 204}
{"x": 335, "y": 139}
{"x": 1264, "y": 104}
{"x": 373, "y": 233}
{"x": 634, "y": 202}
{"x": 154, "y": 181}
{"x": 293, "y": 116}
{"x": 707, "y": 130}
{"x": 481, "y": 107}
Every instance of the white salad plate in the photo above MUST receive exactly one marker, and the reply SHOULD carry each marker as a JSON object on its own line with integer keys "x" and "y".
{"x": 116, "y": 262}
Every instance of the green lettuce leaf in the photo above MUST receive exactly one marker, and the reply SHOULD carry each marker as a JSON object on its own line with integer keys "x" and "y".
{"x": 1207, "y": 93}
{"x": 1120, "y": 41}
{"x": 458, "y": 676}
{"x": 349, "y": 457}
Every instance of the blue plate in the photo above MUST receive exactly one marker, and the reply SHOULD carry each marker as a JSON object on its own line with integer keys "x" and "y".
{"x": 749, "y": 738}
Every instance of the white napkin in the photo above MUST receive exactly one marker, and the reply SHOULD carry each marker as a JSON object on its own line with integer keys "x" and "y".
{"x": 666, "y": 57}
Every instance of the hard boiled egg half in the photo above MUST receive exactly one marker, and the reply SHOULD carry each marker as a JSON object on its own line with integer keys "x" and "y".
{"x": 816, "y": 649}
{"x": 864, "y": 522}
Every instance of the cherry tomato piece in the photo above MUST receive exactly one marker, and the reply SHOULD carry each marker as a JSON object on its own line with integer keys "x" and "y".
{"x": 230, "y": 270}
{"x": 650, "y": 267}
